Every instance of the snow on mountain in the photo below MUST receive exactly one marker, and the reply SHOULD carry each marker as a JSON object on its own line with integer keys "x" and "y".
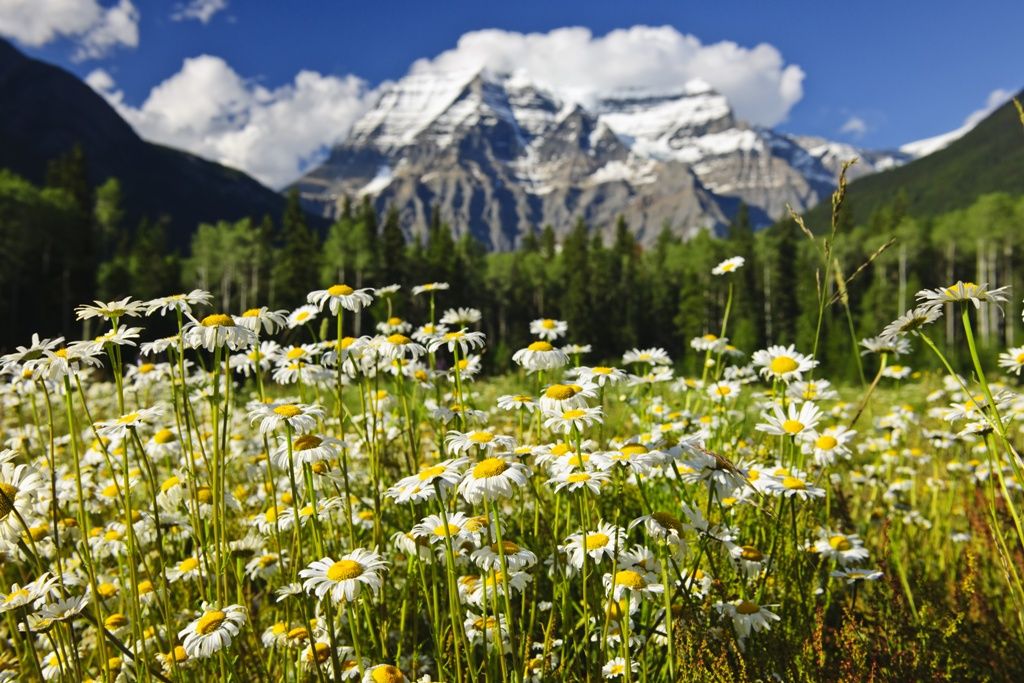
{"x": 920, "y": 148}
{"x": 500, "y": 155}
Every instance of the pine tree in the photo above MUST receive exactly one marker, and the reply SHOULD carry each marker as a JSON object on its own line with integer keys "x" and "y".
{"x": 295, "y": 272}
{"x": 392, "y": 249}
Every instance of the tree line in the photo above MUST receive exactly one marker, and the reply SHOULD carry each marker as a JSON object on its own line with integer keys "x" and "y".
{"x": 66, "y": 242}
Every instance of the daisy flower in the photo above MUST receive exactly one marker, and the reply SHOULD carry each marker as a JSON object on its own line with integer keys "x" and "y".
{"x": 795, "y": 421}
{"x": 34, "y": 593}
{"x": 213, "y": 630}
{"x": 300, "y": 417}
{"x": 343, "y": 580}
{"x": 782, "y": 362}
{"x": 559, "y": 397}
{"x": 434, "y": 529}
{"x": 844, "y": 548}
{"x": 709, "y": 342}
{"x": 896, "y": 371}
{"x": 651, "y": 356}
{"x": 306, "y": 449}
{"x": 566, "y": 421}
{"x": 262, "y": 319}
{"x": 341, "y": 296}
{"x": 386, "y": 673}
{"x": 574, "y": 481}
{"x": 465, "y": 340}
{"x": 548, "y": 329}
{"x": 795, "y": 485}
{"x": 493, "y": 629}
{"x": 634, "y": 581}
{"x": 444, "y": 476}
{"x": 1012, "y": 359}
{"x": 182, "y": 303}
{"x": 486, "y": 442}
{"x": 118, "y": 429}
{"x": 616, "y": 668}
{"x": 302, "y": 315}
{"x": 493, "y": 478}
{"x": 723, "y": 391}
{"x": 397, "y": 345}
{"x": 855, "y": 576}
{"x": 828, "y": 445}
{"x": 217, "y": 330}
{"x": 21, "y": 490}
{"x": 186, "y": 570}
{"x": 977, "y": 294}
{"x": 111, "y": 310}
{"x": 605, "y": 541}
{"x": 517, "y": 558}
{"x": 663, "y": 526}
{"x": 600, "y": 375}
{"x": 729, "y": 265}
{"x": 429, "y": 288}
{"x": 747, "y": 616}
{"x": 517, "y": 402}
{"x": 461, "y": 317}
{"x": 912, "y": 321}
{"x": 812, "y": 390}
{"x": 540, "y": 355}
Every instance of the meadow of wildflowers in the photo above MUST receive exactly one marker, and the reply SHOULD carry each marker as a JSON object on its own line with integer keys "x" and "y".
{"x": 260, "y": 497}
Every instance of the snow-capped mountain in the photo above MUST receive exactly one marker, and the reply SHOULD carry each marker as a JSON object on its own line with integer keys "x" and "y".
{"x": 500, "y": 156}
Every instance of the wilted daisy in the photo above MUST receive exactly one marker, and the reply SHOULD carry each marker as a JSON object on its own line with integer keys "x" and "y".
{"x": 343, "y": 580}
{"x": 548, "y": 329}
{"x": 341, "y": 296}
{"x": 977, "y": 294}
{"x": 782, "y": 363}
{"x": 729, "y": 265}
{"x": 213, "y": 630}
{"x": 540, "y": 355}
{"x": 300, "y": 417}
{"x": 217, "y": 330}
{"x": 493, "y": 478}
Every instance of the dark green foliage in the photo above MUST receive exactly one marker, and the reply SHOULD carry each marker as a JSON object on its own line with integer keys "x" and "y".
{"x": 295, "y": 271}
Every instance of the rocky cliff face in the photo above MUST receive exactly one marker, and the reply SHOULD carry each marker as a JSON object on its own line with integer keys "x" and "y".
{"x": 500, "y": 156}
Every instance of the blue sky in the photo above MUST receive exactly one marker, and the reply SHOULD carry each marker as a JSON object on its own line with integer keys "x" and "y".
{"x": 878, "y": 74}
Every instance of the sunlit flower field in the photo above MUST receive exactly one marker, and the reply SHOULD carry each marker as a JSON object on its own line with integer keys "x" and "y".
{"x": 262, "y": 497}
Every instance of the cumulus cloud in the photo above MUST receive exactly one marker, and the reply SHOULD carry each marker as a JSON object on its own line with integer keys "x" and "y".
{"x": 855, "y": 126}
{"x": 209, "y": 109}
{"x": 582, "y": 67}
{"x": 200, "y": 10}
{"x": 96, "y": 29}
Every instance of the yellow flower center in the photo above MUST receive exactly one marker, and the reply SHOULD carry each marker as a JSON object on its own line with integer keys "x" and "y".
{"x": 343, "y": 570}
{"x": 578, "y": 477}
{"x": 792, "y": 426}
{"x": 547, "y": 324}
{"x": 595, "y": 541}
{"x": 540, "y": 346}
{"x": 218, "y": 320}
{"x": 146, "y": 368}
{"x": 794, "y": 483}
{"x": 840, "y": 543}
{"x": 431, "y": 472}
{"x": 209, "y": 622}
{"x": 398, "y": 340}
{"x": 481, "y": 437}
{"x": 145, "y": 586}
{"x": 574, "y": 414}
{"x": 288, "y": 410}
{"x": 298, "y": 633}
{"x": 783, "y": 364}
{"x": 321, "y": 652}
{"x": 747, "y": 607}
{"x": 164, "y": 436}
{"x": 750, "y": 553}
{"x": 7, "y": 494}
{"x": 385, "y": 673}
{"x": 508, "y": 547}
{"x": 306, "y": 442}
{"x": 251, "y": 313}
{"x": 188, "y": 564}
{"x": 204, "y": 494}
{"x": 668, "y": 521}
{"x": 112, "y": 535}
{"x": 630, "y": 579}
{"x": 442, "y": 530}
{"x": 339, "y": 290}
{"x": 295, "y": 352}
{"x": 561, "y": 392}
{"x": 106, "y": 589}
{"x": 825, "y": 442}
{"x": 115, "y": 621}
{"x": 491, "y": 467}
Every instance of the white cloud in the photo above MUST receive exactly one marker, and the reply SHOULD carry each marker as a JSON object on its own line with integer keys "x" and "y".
{"x": 96, "y": 28}
{"x": 200, "y": 10}
{"x": 855, "y": 126}
{"x": 576, "y": 64}
{"x": 209, "y": 109}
